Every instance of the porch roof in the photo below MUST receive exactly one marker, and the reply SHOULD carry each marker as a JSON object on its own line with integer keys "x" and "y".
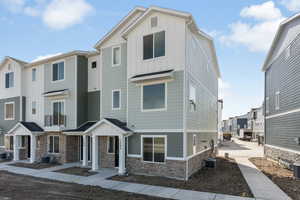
{"x": 26, "y": 128}
{"x": 82, "y": 128}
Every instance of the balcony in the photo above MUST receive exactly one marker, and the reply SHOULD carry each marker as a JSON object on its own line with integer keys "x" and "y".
{"x": 55, "y": 122}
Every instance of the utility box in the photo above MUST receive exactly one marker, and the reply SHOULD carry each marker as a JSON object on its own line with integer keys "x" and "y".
{"x": 297, "y": 170}
{"x": 211, "y": 163}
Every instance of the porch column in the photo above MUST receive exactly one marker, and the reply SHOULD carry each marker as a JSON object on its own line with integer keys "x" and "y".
{"x": 85, "y": 151}
{"x": 16, "y": 148}
{"x": 32, "y": 148}
{"x": 95, "y": 161}
{"x": 122, "y": 158}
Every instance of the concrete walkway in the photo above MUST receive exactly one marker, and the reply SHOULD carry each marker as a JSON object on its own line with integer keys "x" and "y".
{"x": 100, "y": 180}
{"x": 261, "y": 186}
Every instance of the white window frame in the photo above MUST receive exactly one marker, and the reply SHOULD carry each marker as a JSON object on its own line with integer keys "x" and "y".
{"x": 48, "y": 144}
{"x": 112, "y": 60}
{"x": 154, "y": 136}
{"x": 166, "y": 97}
{"x": 14, "y": 114}
{"x": 151, "y": 21}
{"x": 8, "y": 81}
{"x": 57, "y": 62}
{"x": 267, "y": 105}
{"x": 56, "y": 101}
{"x": 277, "y": 100}
{"x": 153, "y": 42}
{"x": 34, "y": 71}
{"x": 114, "y": 147}
{"x": 112, "y": 99}
{"x": 32, "y": 107}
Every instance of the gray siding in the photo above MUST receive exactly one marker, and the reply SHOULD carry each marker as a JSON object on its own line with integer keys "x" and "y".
{"x": 174, "y": 146}
{"x": 284, "y": 76}
{"x": 68, "y": 83}
{"x": 6, "y": 125}
{"x": 93, "y": 106}
{"x": 172, "y": 118}
{"x": 82, "y": 88}
{"x": 114, "y": 78}
{"x": 202, "y": 141}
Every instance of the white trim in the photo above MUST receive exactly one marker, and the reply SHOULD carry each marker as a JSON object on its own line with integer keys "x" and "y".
{"x": 35, "y": 74}
{"x": 112, "y": 99}
{"x": 76, "y": 88}
{"x": 154, "y": 136}
{"x": 52, "y": 107}
{"x": 8, "y": 80}
{"x": 191, "y": 156}
{"x": 14, "y": 110}
{"x": 157, "y": 130}
{"x": 283, "y": 113}
{"x": 166, "y": 97}
{"x": 112, "y": 58}
{"x": 168, "y": 77}
{"x": 201, "y": 131}
{"x": 48, "y": 144}
{"x": 277, "y": 101}
{"x": 153, "y": 33}
{"x": 57, "y": 62}
{"x": 134, "y": 155}
{"x": 175, "y": 158}
{"x": 282, "y": 148}
{"x": 108, "y": 122}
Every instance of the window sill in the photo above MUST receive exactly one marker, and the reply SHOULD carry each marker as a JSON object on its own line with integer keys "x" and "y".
{"x": 154, "y": 110}
{"x": 156, "y": 59}
{"x": 149, "y": 162}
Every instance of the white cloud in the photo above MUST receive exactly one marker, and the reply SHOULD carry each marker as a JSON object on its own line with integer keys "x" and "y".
{"x": 256, "y": 36}
{"x": 61, "y": 14}
{"x": 31, "y": 11}
{"x": 45, "y": 57}
{"x": 292, "y": 5}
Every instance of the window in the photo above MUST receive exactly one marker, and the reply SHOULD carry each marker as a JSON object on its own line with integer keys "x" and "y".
{"x": 33, "y": 74}
{"x": 33, "y": 107}
{"x": 192, "y": 98}
{"x": 154, "y": 149}
{"x": 9, "y": 111}
{"x": 9, "y": 80}
{"x": 94, "y": 65}
{"x": 154, "y": 22}
{"x": 267, "y": 105}
{"x": 111, "y": 144}
{"x": 116, "y": 56}
{"x": 116, "y": 99}
{"x": 154, "y": 45}
{"x": 58, "y": 71}
{"x": 277, "y": 100}
{"x": 58, "y": 113}
{"x": 154, "y": 97}
{"x": 53, "y": 144}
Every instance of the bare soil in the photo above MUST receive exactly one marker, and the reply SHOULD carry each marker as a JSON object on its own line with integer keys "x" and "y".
{"x": 226, "y": 178}
{"x": 19, "y": 187}
{"x": 79, "y": 171}
{"x": 34, "y": 165}
{"x": 280, "y": 176}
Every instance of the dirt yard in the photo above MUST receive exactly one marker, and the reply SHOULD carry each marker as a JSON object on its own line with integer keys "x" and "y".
{"x": 19, "y": 187}
{"x": 225, "y": 179}
{"x": 280, "y": 176}
{"x": 34, "y": 165}
{"x": 79, "y": 171}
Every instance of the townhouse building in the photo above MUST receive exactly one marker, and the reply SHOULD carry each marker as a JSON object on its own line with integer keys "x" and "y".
{"x": 256, "y": 122}
{"x": 282, "y": 95}
{"x": 145, "y": 101}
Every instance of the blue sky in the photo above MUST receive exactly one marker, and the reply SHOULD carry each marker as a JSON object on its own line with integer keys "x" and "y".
{"x": 242, "y": 29}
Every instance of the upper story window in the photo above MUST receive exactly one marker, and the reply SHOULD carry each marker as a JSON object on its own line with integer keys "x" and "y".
{"x": 116, "y": 99}
{"x": 154, "y": 22}
{"x": 94, "y": 65}
{"x": 33, "y": 107}
{"x": 154, "y": 45}
{"x": 58, "y": 71}
{"x": 9, "y": 80}
{"x": 154, "y": 97}
{"x": 277, "y": 100}
{"x": 154, "y": 149}
{"x": 33, "y": 74}
{"x": 9, "y": 111}
{"x": 116, "y": 57}
{"x": 58, "y": 108}
{"x": 192, "y": 98}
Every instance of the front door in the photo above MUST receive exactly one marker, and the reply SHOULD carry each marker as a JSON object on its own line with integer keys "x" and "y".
{"x": 116, "y": 151}
{"x": 28, "y": 146}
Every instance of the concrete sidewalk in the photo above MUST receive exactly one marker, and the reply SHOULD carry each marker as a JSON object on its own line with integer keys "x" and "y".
{"x": 100, "y": 180}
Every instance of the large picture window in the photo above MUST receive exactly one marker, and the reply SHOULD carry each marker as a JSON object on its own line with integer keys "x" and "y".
{"x": 58, "y": 71}
{"x": 9, "y": 80}
{"x": 53, "y": 144}
{"x": 9, "y": 111}
{"x": 154, "y": 45}
{"x": 154, "y": 149}
{"x": 154, "y": 97}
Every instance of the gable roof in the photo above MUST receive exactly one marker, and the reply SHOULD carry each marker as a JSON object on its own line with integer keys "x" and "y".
{"x": 8, "y": 58}
{"x": 83, "y": 127}
{"x": 112, "y": 122}
{"x": 33, "y": 127}
{"x": 116, "y": 28}
{"x": 276, "y": 39}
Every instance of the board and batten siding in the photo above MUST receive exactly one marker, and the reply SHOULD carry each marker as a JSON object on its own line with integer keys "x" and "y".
{"x": 68, "y": 83}
{"x": 93, "y": 106}
{"x": 284, "y": 76}
{"x": 171, "y": 118}
{"x": 82, "y": 88}
{"x": 114, "y": 78}
{"x": 174, "y": 143}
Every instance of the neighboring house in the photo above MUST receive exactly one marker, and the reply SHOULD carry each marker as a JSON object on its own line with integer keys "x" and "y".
{"x": 237, "y": 123}
{"x": 282, "y": 93}
{"x": 146, "y": 101}
{"x": 220, "y": 122}
{"x": 256, "y": 122}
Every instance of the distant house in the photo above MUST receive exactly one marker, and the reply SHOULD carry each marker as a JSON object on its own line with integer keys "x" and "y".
{"x": 220, "y": 109}
{"x": 282, "y": 93}
{"x": 256, "y": 122}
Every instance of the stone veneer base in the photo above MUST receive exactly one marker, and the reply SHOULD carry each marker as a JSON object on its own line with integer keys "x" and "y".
{"x": 277, "y": 153}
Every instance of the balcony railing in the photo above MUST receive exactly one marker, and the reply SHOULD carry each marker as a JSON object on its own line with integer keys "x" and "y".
{"x": 55, "y": 120}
